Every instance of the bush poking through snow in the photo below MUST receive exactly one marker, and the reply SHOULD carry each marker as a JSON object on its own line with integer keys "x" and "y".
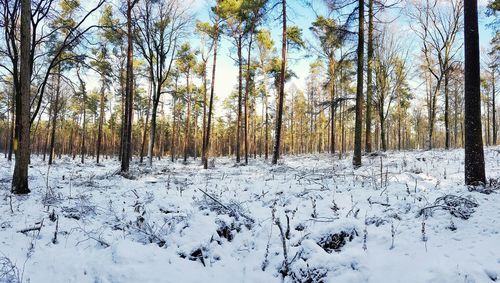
{"x": 309, "y": 275}
{"x": 334, "y": 242}
{"x": 457, "y": 206}
{"x": 492, "y": 186}
{"x": 232, "y": 209}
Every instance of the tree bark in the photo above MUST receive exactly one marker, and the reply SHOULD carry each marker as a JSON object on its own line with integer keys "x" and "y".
{"x": 240, "y": 95}
{"x": 369, "y": 80}
{"x": 266, "y": 142}
{"x": 146, "y": 121}
{"x": 101, "y": 118}
{"x": 54, "y": 118}
{"x": 12, "y": 126}
{"x": 204, "y": 125}
{"x": 356, "y": 161}
{"x": 281, "y": 95}
{"x": 47, "y": 129}
{"x": 84, "y": 114}
{"x": 174, "y": 130}
{"x": 474, "y": 155}
{"x": 187, "y": 136}
{"x": 494, "y": 110}
{"x": 206, "y": 144}
{"x": 446, "y": 110}
{"x": 247, "y": 90}
{"x": 129, "y": 94}
{"x": 20, "y": 176}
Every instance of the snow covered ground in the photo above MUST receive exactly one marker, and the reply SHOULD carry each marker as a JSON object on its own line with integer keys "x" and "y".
{"x": 180, "y": 223}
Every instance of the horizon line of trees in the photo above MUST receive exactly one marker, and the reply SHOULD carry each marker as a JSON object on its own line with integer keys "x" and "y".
{"x": 156, "y": 89}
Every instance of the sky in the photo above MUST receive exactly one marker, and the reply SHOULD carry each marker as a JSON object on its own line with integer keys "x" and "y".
{"x": 301, "y": 16}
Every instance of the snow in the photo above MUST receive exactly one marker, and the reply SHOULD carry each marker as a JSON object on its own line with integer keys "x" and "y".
{"x": 179, "y": 223}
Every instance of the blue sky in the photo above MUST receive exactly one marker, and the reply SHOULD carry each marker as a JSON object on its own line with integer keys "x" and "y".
{"x": 302, "y": 16}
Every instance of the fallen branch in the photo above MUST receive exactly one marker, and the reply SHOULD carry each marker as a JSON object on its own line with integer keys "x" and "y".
{"x": 29, "y": 229}
{"x": 227, "y": 208}
{"x": 377, "y": 202}
{"x": 214, "y": 199}
{"x": 285, "y": 267}
{"x": 457, "y": 206}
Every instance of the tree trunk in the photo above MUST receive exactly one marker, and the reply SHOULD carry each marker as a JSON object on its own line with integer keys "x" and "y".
{"x": 20, "y": 176}
{"x": 266, "y": 142}
{"x": 488, "y": 126}
{"x": 54, "y": 118}
{"x": 455, "y": 118}
{"x": 332, "y": 107}
{"x": 47, "y": 128}
{"x": 206, "y": 144}
{"x": 446, "y": 111}
{"x": 474, "y": 155}
{"x": 383, "y": 133}
{"x": 359, "y": 90}
{"x": 369, "y": 80}
{"x": 84, "y": 118}
{"x": 129, "y": 95}
{"x": 101, "y": 119}
{"x": 12, "y": 126}
{"x": 152, "y": 132}
{"x": 281, "y": 95}
{"x": 494, "y": 110}
{"x": 240, "y": 95}
{"x": 188, "y": 119}
{"x": 146, "y": 121}
{"x": 174, "y": 130}
{"x": 247, "y": 90}
{"x": 204, "y": 126}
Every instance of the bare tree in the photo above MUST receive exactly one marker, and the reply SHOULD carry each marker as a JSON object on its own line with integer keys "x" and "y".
{"x": 390, "y": 75}
{"x": 437, "y": 24}
{"x": 159, "y": 26}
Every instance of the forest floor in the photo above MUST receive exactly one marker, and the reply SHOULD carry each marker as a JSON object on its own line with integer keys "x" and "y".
{"x": 401, "y": 217}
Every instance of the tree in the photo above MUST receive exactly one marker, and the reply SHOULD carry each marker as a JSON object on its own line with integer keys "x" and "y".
{"x": 437, "y": 25}
{"x": 369, "y": 80}
{"x": 20, "y": 177}
{"x": 279, "y": 115}
{"x": 494, "y": 56}
{"x": 54, "y": 117}
{"x": 103, "y": 66}
{"x": 390, "y": 77}
{"x": 265, "y": 46}
{"x": 330, "y": 37}
{"x": 474, "y": 155}
{"x": 253, "y": 12}
{"x": 159, "y": 25}
{"x": 215, "y": 37}
{"x": 126, "y": 154}
{"x": 185, "y": 63}
{"x": 356, "y": 161}
{"x": 233, "y": 23}
{"x": 82, "y": 92}
{"x": 206, "y": 32}
{"x": 292, "y": 37}
{"x": 63, "y": 23}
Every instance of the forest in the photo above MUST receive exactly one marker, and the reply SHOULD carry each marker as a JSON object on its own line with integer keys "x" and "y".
{"x": 249, "y": 141}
